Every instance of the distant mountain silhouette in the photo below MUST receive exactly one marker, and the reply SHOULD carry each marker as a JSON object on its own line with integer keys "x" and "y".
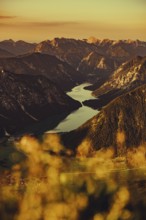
{"x": 120, "y": 48}
{"x": 17, "y": 47}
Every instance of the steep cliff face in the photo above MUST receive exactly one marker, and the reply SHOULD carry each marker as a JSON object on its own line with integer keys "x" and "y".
{"x": 98, "y": 67}
{"x": 95, "y": 61}
{"x": 128, "y": 76}
{"x": 29, "y": 99}
{"x": 42, "y": 64}
{"x": 121, "y": 124}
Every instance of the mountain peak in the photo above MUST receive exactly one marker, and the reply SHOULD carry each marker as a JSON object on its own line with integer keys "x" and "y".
{"x": 92, "y": 40}
{"x": 9, "y": 41}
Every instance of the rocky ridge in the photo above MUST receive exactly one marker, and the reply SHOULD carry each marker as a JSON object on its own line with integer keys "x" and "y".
{"x": 121, "y": 125}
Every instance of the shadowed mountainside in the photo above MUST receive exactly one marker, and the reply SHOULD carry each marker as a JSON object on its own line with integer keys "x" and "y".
{"x": 120, "y": 124}
{"x": 127, "y": 77}
{"x": 98, "y": 68}
{"x": 42, "y": 64}
{"x": 4, "y": 53}
{"x": 27, "y": 99}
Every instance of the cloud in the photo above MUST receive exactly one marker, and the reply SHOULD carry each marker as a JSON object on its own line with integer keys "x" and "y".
{"x": 7, "y": 17}
{"x": 39, "y": 24}
{"x": 50, "y": 24}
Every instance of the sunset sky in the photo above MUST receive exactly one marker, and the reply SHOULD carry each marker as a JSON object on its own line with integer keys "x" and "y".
{"x": 37, "y": 20}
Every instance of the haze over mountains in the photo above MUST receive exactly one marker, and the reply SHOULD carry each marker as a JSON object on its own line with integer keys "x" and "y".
{"x": 114, "y": 68}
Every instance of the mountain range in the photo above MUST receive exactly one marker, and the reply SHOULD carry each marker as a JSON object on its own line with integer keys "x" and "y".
{"x": 117, "y": 70}
{"x": 98, "y": 59}
{"x": 95, "y": 59}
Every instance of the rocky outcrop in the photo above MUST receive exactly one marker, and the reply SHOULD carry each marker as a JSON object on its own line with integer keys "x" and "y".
{"x": 127, "y": 77}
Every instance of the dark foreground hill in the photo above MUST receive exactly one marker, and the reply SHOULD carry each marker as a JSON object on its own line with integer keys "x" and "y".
{"x": 121, "y": 124}
{"x": 25, "y": 100}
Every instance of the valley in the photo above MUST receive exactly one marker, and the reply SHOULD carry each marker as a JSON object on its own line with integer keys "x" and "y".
{"x": 72, "y": 110}
{"x": 80, "y": 116}
{"x": 73, "y": 129}
{"x": 51, "y": 73}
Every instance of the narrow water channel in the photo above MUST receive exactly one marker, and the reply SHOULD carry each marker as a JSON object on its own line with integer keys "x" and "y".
{"x": 80, "y": 116}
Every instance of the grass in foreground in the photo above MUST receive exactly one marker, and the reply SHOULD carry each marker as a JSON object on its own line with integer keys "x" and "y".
{"x": 42, "y": 185}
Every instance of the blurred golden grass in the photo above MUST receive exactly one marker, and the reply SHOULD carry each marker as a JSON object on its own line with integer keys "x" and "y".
{"x": 47, "y": 186}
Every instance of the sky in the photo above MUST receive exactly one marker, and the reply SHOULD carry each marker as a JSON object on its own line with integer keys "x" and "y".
{"x": 37, "y": 20}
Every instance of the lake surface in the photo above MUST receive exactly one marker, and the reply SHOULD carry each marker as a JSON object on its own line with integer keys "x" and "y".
{"x": 80, "y": 116}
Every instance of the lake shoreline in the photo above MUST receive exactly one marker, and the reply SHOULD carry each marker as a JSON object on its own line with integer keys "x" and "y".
{"x": 80, "y": 116}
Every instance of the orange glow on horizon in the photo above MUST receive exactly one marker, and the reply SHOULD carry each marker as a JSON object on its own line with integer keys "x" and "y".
{"x": 39, "y": 20}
